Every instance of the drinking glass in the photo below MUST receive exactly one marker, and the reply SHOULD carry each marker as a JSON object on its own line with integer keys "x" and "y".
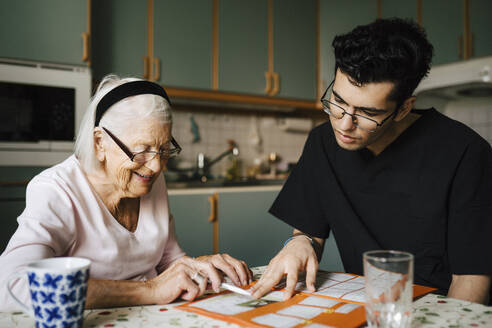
{"x": 389, "y": 288}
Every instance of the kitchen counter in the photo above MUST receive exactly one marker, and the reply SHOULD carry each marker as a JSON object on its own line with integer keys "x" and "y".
{"x": 222, "y": 185}
{"x": 220, "y": 189}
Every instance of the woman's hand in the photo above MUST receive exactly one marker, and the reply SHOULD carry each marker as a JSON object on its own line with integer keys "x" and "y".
{"x": 208, "y": 266}
{"x": 176, "y": 281}
{"x": 179, "y": 280}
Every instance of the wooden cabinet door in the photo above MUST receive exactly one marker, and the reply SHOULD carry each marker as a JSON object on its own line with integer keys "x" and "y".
{"x": 399, "y": 8}
{"x": 48, "y": 31}
{"x": 183, "y": 43}
{"x": 191, "y": 213}
{"x": 294, "y": 48}
{"x": 243, "y": 46}
{"x": 119, "y": 41}
{"x": 11, "y": 207}
{"x": 331, "y": 260}
{"x": 13, "y": 183}
{"x": 246, "y": 230}
{"x": 339, "y": 17}
{"x": 443, "y": 22}
{"x": 12, "y": 203}
{"x": 480, "y": 22}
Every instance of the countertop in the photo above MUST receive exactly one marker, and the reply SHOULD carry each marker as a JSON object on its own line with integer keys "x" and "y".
{"x": 222, "y": 185}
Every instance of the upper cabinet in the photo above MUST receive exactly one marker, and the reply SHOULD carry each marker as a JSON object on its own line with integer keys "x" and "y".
{"x": 182, "y": 43}
{"x": 268, "y": 48}
{"x": 262, "y": 52}
{"x": 243, "y": 46}
{"x": 120, "y": 40}
{"x": 50, "y": 31}
{"x": 480, "y": 18}
{"x": 295, "y": 48}
{"x": 339, "y": 17}
{"x": 458, "y": 29}
{"x": 443, "y": 22}
{"x": 398, "y": 8}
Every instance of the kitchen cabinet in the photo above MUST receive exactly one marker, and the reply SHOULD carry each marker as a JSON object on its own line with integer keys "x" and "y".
{"x": 295, "y": 48}
{"x": 339, "y": 17}
{"x": 243, "y": 46}
{"x": 331, "y": 260}
{"x": 120, "y": 38}
{"x": 167, "y": 41}
{"x": 11, "y": 207}
{"x": 220, "y": 51}
{"x": 458, "y": 29}
{"x": 443, "y": 22}
{"x": 399, "y": 8}
{"x": 54, "y": 31}
{"x": 12, "y": 203}
{"x": 245, "y": 228}
{"x": 248, "y": 232}
{"x": 191, "y": 214}
{"x": 480, "y": 16}
{"x": 183, "y": 43}
{"x": 13, "y": 183}
{"x": 276, "y": 55}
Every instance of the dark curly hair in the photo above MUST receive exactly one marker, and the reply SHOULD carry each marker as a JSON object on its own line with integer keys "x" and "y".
{"x": 387, "y": 50}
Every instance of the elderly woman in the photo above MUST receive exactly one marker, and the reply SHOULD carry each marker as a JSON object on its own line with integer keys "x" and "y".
{"x": 109, "y": 203}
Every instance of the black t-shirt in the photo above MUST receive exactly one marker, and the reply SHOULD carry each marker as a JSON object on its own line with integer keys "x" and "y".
{"x": 429, "y": 193}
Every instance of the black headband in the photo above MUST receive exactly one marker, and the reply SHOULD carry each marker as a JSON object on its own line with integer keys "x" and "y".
{"x": 126, "y": 90}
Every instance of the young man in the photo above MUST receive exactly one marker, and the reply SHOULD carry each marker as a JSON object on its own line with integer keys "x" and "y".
{"x": 382, "y": 175}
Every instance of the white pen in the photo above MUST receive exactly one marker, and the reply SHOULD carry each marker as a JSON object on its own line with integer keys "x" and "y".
{"x": 199, "y": 278}
{"x": 234, "y": 289}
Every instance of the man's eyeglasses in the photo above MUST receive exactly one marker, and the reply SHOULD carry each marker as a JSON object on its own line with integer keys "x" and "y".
{"x": 145, "y": 156}
{"x": 337, "y": 111}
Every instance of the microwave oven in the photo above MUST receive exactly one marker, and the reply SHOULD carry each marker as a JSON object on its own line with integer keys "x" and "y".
{"x": 41, "y": 107}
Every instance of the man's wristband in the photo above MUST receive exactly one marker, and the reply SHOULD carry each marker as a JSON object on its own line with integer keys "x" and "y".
{"x": 298, "y": 235}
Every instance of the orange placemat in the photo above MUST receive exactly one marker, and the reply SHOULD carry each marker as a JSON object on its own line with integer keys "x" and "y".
{"x": 337, "y": 302}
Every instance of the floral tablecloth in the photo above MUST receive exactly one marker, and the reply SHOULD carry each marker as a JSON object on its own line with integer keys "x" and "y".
{"x": 429, "y": 311}
{"x": 440, "y": 311}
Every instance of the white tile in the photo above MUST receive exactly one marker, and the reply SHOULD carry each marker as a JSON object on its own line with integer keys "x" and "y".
{"x": 480, "y": 115}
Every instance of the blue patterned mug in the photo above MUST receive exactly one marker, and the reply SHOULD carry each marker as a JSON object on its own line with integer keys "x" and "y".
{"x": 58, "y": 288}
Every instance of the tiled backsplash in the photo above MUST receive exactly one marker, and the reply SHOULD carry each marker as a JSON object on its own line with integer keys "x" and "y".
{"x": 477, "y": 114}
{"x": 245, "y": 129}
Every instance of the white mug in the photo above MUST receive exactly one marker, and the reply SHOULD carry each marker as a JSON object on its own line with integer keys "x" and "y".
{"x": 58, "y": 288}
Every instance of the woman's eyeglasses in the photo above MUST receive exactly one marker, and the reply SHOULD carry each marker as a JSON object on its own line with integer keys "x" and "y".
{"x": 145, "y": 156}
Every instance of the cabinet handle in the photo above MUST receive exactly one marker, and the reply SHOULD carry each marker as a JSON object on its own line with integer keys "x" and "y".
{"x": 268, "y": 82}
{"x": 460, "y": 46}
{"x": 214, "y": 219}
{"x": 276, "y": 84}
{"x": 470, "y": 49}
{"x": 213, "y": 208}
{"x": 157, "y": 69}
{"x": 146, "y": 68}
{"x": 85, "y": 47}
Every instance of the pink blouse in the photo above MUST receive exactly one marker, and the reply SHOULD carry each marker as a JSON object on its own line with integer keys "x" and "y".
{"x": 65, "y": 217}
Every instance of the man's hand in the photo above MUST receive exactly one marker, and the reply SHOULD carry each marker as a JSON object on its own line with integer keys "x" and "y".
{"x": 297, "y": 256}
{"x": 474, "y": 288}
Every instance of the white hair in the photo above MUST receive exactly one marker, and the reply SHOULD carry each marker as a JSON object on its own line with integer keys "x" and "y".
{"x": 118, "y": 118}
